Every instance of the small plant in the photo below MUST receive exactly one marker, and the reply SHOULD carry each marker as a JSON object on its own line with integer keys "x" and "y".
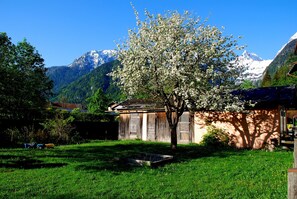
{"x": 215, "y": 137}
{"x": 11, "y": 136}
{"x": 29, "y": 134}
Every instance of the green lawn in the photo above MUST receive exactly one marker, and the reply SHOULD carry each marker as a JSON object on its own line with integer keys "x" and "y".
{"x": 93, "y": 170}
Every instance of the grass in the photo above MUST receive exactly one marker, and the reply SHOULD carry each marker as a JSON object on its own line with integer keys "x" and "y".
{"x": 93, "y": 170}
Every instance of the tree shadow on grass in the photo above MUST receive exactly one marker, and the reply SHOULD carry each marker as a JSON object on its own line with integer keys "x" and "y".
{"x": 110, "y": 156}
{"x": 113, "y": 157}
{"x": 24, "y": 162}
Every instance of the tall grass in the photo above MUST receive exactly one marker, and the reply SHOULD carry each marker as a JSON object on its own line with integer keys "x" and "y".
{"x": 96, "y": 170}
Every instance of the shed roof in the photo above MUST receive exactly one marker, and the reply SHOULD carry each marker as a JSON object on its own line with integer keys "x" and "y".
{"x": 66, "y": 106}
{"x": 139, "y": 104}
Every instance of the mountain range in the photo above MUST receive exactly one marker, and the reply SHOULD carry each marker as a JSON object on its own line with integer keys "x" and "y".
{"x": 64, "y": 75}
{"x": 78, "y": 80}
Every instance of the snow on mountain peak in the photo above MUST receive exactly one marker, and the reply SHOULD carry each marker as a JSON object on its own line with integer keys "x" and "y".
{"x": 109, "y": 52}
{"x": 255, "y": 65}
{"x": 252, "y": 56}
{"x": 94, "y": 58}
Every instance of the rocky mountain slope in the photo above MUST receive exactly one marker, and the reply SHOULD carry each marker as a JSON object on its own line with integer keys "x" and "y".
{"x": 280, "y": 65}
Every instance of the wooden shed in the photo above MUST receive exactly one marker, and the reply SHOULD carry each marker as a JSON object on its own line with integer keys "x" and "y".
{"x": 146, "y": 120}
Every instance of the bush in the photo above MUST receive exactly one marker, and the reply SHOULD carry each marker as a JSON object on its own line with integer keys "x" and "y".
{"x": 215, "y": 137}
{"x": 60, "y": 128}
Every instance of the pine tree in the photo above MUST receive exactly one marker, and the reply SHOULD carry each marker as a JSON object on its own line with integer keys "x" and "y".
{"x": 98, "y": 102}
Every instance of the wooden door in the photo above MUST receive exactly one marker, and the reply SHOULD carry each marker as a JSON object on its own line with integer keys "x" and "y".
{"x": 151, "y": 127}
{"x": 134, "y": 125}
{"x": 184, "y": 128}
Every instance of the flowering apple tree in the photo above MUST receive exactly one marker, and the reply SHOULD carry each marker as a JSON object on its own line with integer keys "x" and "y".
{"x": 181, "y": 61}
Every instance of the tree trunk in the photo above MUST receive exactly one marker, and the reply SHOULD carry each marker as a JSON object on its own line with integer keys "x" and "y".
{"x": 174, "y": 110}
{"x": 173, "y": 118}
{"x": 173, "y": 131}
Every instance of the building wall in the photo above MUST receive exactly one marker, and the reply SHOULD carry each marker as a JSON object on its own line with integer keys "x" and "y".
{"x": 253, "y": 129}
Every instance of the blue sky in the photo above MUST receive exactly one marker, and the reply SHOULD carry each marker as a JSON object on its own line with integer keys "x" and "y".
{"x": 62, "y": 30}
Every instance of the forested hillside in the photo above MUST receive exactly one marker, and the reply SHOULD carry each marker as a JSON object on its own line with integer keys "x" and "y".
{"x": 64, "y": 75}
{"x": 281, "y": 77}
{"x": 84, "y": 87}
{"x": 276, "y": 73}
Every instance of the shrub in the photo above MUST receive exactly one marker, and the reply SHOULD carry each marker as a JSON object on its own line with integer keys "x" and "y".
{"x": 59, "y": 129}
{"x": 40, "y": 136}
{"x": 215, "y": 137}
